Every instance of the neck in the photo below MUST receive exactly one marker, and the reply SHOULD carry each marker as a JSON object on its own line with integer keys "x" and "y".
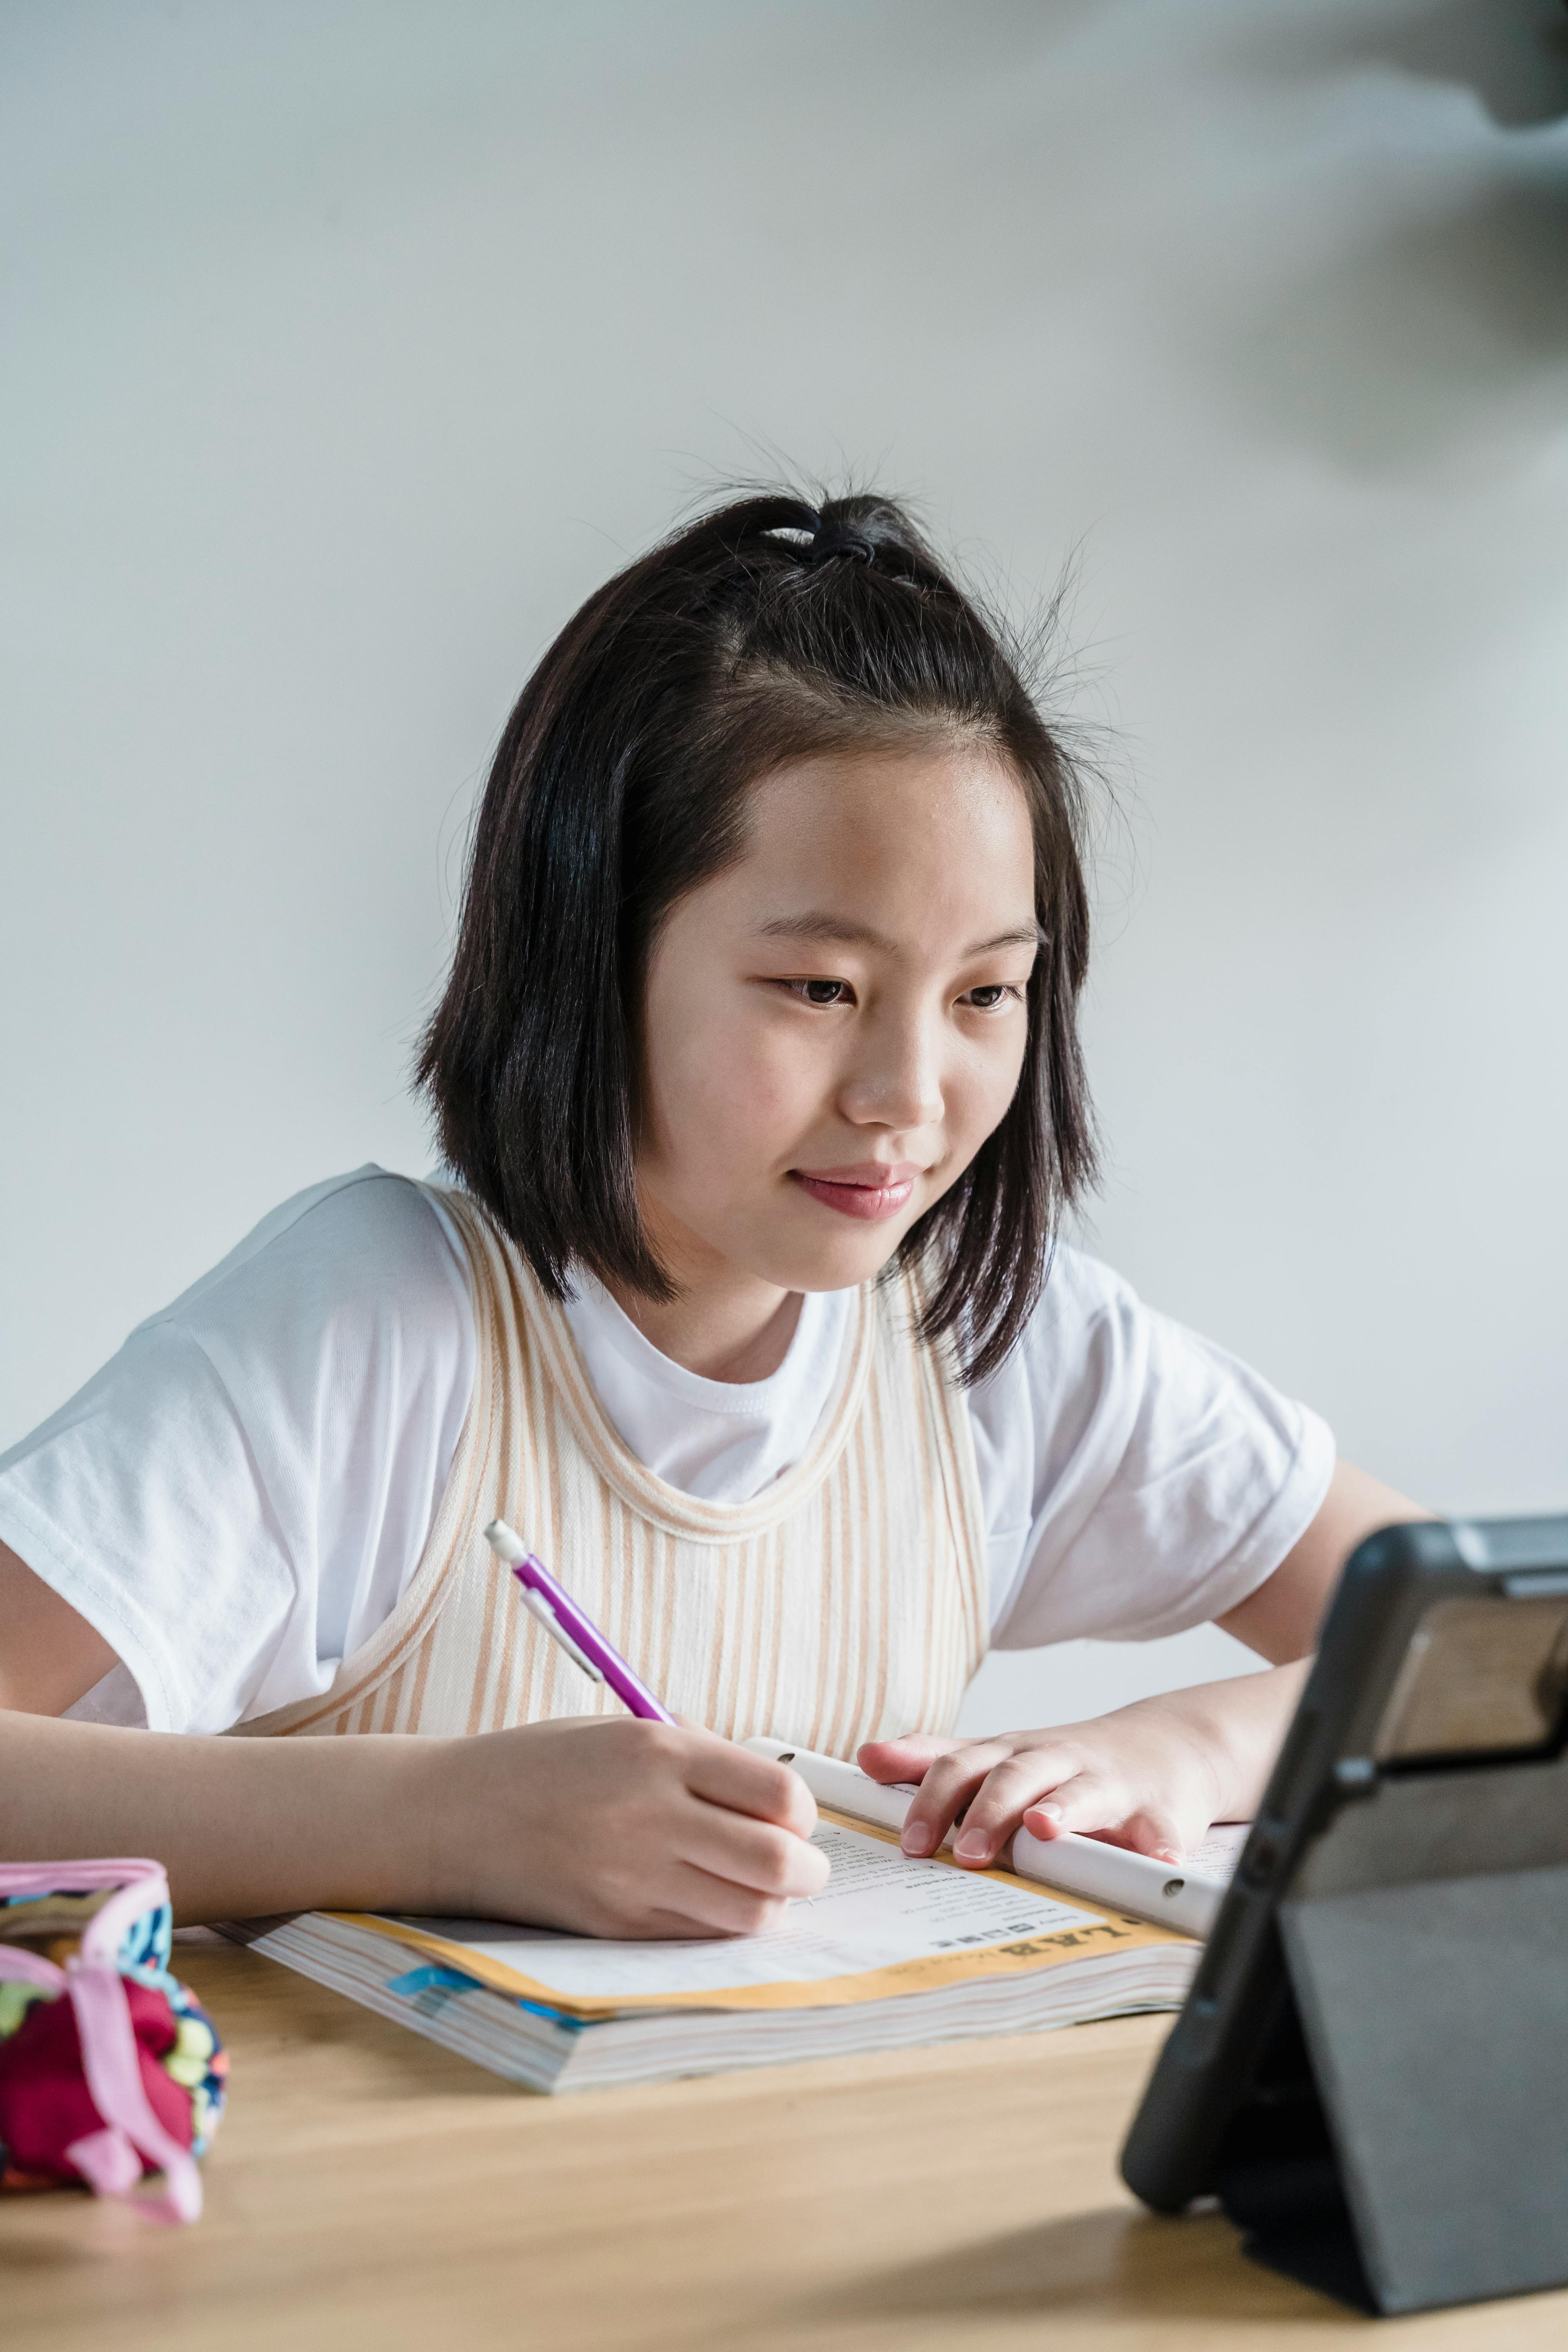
{"x": 723, "y": 1323}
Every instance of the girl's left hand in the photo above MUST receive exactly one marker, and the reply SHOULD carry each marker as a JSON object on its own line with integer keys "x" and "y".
{"x": 1143, "y": 1778}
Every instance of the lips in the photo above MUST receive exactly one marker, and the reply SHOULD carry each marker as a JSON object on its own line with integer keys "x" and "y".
{"x": 869, "y": 1191}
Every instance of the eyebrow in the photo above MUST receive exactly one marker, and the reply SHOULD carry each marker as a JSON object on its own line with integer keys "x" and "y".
{"x": 835, "y": 930}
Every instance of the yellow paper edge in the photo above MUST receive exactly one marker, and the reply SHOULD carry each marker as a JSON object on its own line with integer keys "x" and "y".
{"x": 1112, "y": 1931}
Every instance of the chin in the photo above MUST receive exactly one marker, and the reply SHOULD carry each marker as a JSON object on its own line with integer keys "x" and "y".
{"x": 855, "y": 1259}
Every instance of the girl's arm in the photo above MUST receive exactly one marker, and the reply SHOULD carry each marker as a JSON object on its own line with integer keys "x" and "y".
{"x": 1153, "y": 1775}
{"x": 606, "y": 1825}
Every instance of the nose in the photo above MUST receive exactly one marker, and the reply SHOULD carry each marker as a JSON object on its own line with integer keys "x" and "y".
{"x": 896, "y": 1079}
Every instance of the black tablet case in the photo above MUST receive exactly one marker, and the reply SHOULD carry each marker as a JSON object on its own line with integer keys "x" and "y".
{"x": 1410, "y": 2144}
{"x": 1395, "y": 2126}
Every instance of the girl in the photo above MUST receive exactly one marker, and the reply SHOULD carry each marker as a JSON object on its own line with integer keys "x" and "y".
{"x": 758, "y": 1089}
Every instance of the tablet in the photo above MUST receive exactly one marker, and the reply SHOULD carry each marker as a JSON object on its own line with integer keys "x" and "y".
{"x": 1371, "y": 2071}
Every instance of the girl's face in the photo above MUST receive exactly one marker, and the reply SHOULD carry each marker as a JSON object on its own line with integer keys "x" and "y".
{"x": 836, "y": 1022}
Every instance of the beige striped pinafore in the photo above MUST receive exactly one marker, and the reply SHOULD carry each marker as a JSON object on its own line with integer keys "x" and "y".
{"x": 846, "y": 1599}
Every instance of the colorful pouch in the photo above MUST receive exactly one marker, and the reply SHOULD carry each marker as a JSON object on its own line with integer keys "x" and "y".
{"x": 110, "y": 2069}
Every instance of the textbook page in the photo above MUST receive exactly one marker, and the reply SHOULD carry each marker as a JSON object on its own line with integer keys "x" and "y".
{"x": 885, "y": 1923}
{"x": 1219, "y": 1852}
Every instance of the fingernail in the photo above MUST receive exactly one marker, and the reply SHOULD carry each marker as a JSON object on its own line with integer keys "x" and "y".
{"x": 972, "y": 1846}
{"x": 917, "y": 1838}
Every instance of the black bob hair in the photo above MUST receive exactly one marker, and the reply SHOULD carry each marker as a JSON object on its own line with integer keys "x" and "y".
{"x": 767, "y": 630}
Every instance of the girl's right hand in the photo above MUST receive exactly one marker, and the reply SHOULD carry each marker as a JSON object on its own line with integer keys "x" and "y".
{"x": 608, "y": 1825}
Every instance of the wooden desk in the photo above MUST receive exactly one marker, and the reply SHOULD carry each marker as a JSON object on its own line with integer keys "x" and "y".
{"x": 369, "y": 2191}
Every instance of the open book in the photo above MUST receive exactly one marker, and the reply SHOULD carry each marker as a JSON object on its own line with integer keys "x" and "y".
{"x": 893, "y": 1953}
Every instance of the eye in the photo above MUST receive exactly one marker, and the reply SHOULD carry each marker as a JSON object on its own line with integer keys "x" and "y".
{"x": 991, "y": 998}
{"x": 821, "y": 992}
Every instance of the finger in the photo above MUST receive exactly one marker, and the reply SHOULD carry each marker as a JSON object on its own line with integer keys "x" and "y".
{"x": 758, "y": 1855}
{"x": 904, "y": 1759}
{"x": 1095, "y": 1804}
{"x": 1155, "y": 1832}
{"x": 723, "y": 1774}
{"x": 949, "y": 1785}
{"x": 1003, "y": 1798}
{"x": 717, "y": 1905}
{"x": 664, "y": 1928}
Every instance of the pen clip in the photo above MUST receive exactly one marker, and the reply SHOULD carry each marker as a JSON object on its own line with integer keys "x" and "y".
{"x": 538, "y": 1607}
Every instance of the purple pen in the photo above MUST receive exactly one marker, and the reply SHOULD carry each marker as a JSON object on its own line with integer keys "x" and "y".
{"x": 565, "y": 1624}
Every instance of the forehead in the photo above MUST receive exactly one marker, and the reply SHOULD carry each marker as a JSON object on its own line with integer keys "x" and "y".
{"x": 907, "y": 842}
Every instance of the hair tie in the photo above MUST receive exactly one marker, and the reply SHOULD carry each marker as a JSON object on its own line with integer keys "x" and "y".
{"x": 839, "y": 538}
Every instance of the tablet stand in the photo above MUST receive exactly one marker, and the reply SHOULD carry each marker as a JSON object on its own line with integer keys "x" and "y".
{"x": 1404, "y": 2142}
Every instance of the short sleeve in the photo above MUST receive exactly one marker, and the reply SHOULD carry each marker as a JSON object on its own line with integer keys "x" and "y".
{"x": 239, "y": 1497}
{"x": 1138, "y": 1479}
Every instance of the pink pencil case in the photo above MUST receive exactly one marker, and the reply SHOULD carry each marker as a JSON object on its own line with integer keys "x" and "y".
{"x": 110, "y": 2068}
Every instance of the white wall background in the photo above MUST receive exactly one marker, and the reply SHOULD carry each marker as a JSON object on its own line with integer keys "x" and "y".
{"x": 349, "y": 342}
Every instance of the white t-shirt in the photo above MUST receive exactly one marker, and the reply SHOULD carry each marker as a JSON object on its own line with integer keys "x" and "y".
{"x": 240, "y": 1497}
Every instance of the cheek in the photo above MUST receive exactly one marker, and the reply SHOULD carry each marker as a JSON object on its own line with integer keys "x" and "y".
{"x": 724, "y": 1087}
{"x": 982, "y": 1084}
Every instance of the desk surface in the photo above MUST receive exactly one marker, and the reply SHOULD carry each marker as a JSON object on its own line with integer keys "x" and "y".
{"x": 369, "y": 2191}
